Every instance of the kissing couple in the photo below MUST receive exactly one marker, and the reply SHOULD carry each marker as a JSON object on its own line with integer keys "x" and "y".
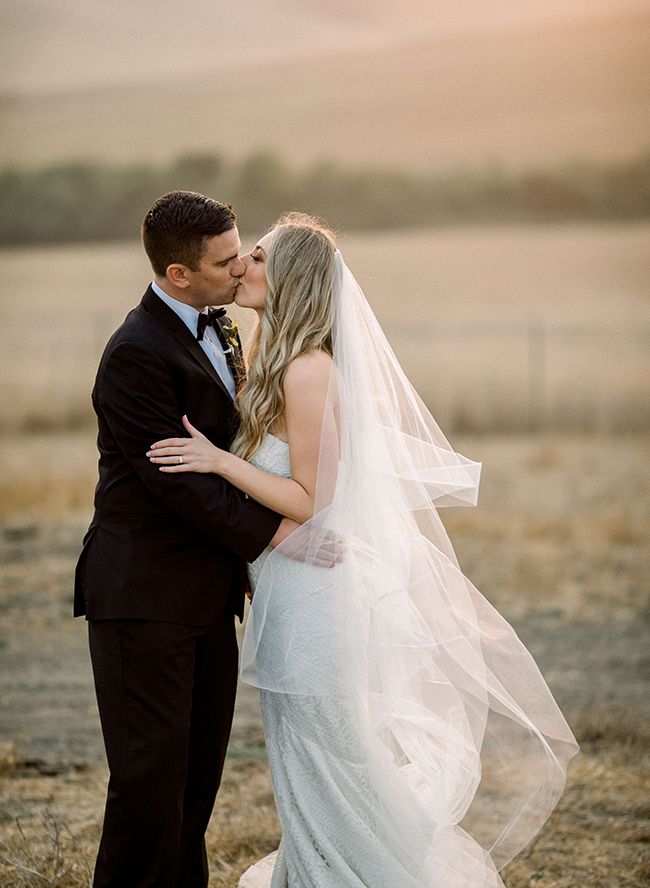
{"x": 412, "y": 741}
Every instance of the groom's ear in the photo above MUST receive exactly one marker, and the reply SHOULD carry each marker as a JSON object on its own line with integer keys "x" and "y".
{"x": 178, "y": 275}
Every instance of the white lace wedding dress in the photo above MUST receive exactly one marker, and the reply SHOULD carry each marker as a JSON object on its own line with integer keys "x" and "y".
{"x": 322, "y": 792}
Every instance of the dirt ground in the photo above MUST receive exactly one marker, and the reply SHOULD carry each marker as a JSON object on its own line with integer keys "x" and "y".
{"x": 559, "y": 544}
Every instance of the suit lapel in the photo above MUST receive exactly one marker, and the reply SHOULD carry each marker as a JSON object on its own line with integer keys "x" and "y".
{"x": 178, "y": 327}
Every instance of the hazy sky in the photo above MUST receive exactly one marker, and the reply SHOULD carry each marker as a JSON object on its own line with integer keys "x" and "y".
{"x": 61, "y": 44}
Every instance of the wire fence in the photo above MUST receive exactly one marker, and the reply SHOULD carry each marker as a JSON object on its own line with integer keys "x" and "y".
{"x": 532, "y": 375}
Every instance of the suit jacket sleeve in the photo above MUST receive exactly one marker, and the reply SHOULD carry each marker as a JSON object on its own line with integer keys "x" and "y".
{"x": 138, "y": 399}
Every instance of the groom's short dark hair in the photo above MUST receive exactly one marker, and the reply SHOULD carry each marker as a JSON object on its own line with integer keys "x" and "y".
{"x": 177, "y": 225}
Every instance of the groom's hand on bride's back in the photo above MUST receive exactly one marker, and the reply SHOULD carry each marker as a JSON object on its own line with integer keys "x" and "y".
{"x": 285, "y": 529}
{"x": 331, "y": 550}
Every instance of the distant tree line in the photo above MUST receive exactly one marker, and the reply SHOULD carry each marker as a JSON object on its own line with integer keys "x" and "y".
{"x": 77, "y": 202}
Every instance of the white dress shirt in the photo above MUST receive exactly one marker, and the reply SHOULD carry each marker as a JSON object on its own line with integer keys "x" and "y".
{"x": 210, "y": 342}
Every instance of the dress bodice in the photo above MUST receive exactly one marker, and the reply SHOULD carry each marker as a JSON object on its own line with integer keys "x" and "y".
{"x": 272, "y": 456}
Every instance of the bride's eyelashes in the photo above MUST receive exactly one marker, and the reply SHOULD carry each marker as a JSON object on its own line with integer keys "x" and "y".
{"x": 257, "y": 257}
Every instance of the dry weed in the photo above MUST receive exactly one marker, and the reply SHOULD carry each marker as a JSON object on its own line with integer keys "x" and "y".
{"x": 49, "y": 856}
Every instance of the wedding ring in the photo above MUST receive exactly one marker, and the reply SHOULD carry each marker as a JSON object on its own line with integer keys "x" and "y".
{"x": 180, "y": 460}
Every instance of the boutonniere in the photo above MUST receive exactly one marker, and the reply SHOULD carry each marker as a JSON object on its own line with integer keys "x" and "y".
{"x": 231, "y": 332}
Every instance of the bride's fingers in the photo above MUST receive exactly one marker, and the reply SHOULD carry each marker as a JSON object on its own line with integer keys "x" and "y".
{"x": 168, "y": 451}
{"x": 170, "y": 442}
{"x": 183, "y": 454}
{"x": 195, "y": 433}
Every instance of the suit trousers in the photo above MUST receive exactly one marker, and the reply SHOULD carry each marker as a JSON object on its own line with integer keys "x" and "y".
{"x": 166, "y": 695}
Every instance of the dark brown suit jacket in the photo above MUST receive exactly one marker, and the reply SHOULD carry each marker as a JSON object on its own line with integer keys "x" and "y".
{"x": 163, "y": 547}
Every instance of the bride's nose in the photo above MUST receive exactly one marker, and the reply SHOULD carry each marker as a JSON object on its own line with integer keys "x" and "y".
{"x": 245, "y": 261}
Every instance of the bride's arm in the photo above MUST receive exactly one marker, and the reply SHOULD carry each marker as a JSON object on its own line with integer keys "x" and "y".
{"x": 307, "y": 414}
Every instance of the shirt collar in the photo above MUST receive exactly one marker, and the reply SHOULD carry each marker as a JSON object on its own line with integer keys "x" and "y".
{"x": 187, "y": 313}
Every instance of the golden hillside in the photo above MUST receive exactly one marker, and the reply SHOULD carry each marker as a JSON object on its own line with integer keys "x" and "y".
{"x": 530, "y": 96}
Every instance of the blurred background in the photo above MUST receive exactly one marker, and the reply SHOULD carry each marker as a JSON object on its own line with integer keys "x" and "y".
{"x": 486, "y": 165}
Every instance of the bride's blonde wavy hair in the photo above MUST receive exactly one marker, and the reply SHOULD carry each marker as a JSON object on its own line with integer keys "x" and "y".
{"x": 297, "y": 319}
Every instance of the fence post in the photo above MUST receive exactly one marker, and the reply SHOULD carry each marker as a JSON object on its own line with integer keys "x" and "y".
{"x": 537, "y": 406}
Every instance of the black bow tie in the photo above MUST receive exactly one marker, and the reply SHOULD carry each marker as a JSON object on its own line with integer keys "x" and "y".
{"x": 208, "y": 319}
{"x": 213, "y": 318}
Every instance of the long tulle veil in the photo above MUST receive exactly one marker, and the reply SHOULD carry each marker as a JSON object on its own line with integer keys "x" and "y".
{"x": 466, "y": 748}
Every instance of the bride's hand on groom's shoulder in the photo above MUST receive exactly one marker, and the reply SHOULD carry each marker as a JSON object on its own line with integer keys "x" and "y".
{"x": 194, "y": 454}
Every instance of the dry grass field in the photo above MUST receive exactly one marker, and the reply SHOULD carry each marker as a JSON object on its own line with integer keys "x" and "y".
{"x": 559, "y": 543}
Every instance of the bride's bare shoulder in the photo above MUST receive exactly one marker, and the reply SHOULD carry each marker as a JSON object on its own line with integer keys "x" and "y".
{"x": 309, "y": 370}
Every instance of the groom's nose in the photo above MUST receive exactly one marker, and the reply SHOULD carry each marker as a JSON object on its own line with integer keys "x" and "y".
{"x": 237, "y": 268}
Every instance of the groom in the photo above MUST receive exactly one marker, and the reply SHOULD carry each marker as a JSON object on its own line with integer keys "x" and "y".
{"x": 161, "y": 574}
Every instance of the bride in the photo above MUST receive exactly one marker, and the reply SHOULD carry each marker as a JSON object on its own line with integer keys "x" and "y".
{"x": 412, "y": 741}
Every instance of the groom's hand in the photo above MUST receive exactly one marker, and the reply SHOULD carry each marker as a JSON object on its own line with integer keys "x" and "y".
{"x": 285, "y": 529}
{"x": 331, "y": 550}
